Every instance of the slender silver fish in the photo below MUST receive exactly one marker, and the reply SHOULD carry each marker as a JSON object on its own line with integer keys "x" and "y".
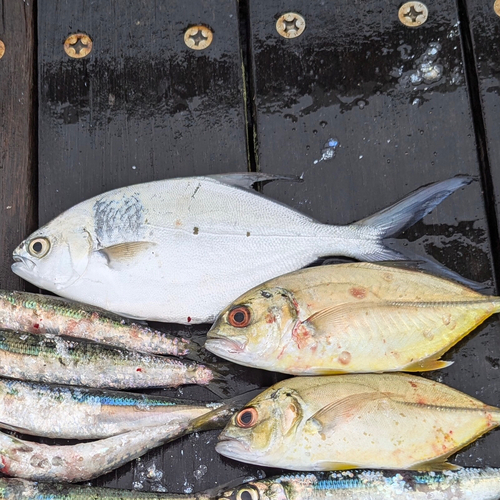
{"x": 65, "y": 412}
{"x": 465, "y": 484}
{"x": 84, "y": 461}
{"x": 36, "y": 313}
{"x": 180, "y": 250}
{"x": 56, "y": 360}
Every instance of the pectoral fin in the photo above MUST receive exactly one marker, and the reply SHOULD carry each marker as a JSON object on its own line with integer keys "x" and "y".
{"x": 125, "y": 253}
{"x": 334, "y": 413}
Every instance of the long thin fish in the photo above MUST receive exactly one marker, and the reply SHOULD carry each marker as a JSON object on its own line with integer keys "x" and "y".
{"x": 53, "y": 359}
{"x": 465, "y": 484}
{"x": 36, "y": 313}
{"x": 85, "y": 461}
{"x": 180, "y": 250}
{"x": 65, "y": 412}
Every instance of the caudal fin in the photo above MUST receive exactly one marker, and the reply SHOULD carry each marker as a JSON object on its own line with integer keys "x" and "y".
{"x": 409, "y": 210}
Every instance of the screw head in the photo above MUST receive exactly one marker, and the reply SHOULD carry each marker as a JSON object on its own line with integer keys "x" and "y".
{"x": 78, "y": 45}
{"x": 496, "y": 7}
{"x": 413, "y": 14}
{"x": 2, "y": 49}
{"x": 198, "y": 37}
{"x": 290, "y": 25}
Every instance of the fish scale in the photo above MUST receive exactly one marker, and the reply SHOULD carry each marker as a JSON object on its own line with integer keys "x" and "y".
{"x": 180, "y": 250}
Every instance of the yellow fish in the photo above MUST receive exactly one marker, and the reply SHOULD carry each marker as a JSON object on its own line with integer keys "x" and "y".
{"x": 343, "y": 318}
{"x": 388, "y": 421}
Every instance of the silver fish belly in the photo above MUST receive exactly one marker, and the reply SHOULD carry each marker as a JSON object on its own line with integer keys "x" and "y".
{"x": 180, "y": 250}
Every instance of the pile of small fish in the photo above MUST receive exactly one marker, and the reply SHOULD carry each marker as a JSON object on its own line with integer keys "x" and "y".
{"x": 181, "y": 250}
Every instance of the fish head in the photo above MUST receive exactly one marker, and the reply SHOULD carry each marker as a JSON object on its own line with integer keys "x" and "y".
{"x": 259, "y": 432}
{"x": 250, "y": 331}
{"x": 56, "y": 255}
{"x": 256, "y": 490}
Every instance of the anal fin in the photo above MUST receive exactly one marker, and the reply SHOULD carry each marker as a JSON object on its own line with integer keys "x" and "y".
{"x": 428, "y": 364}
{"x": 438, "y": 464}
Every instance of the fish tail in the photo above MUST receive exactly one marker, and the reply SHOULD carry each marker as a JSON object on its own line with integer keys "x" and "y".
{"x": 406, "y": 212}
{"x": 403, "y": 214}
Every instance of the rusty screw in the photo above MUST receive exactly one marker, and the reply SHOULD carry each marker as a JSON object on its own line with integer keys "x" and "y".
{"x": 290, "y": 25}
{"x": 497, "y": 7}
{"x": 78, "y": 45}
{"x": 413, "y": 14}
{"x": 2, "y": 49}
{"x": 198, "y": 37}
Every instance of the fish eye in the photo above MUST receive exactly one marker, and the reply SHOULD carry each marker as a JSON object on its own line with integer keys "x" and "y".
{"x": 247, "y": 494}
{"x": 239, "y": 317}
{"x": 39, "y": 247}
{"x": 247, "y": 418}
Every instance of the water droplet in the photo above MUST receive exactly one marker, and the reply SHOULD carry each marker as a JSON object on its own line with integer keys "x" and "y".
{"x": 133, "y": 167}
{"x": 200, "y": 471}
{"x": 360, "y": 156}
{"x": 361, "y": 104}
{"x": 315, "y": 131}
{"x": 323, "y": 124}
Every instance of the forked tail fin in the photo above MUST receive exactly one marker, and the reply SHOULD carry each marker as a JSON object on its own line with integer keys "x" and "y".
{"x": 406, "y": 212}
{"x": 415, "y": 206}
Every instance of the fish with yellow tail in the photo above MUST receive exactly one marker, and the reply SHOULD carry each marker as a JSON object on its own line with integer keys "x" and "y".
{"x": 356, "y": 421}
{"x": 358, "y": 317}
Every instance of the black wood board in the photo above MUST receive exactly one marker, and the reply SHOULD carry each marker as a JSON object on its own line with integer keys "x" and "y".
{"x": 142, "y": 105}
{"x": 483, "y": 27}
{"x": 396, "y": 100}
{"x": 17, "y": 133}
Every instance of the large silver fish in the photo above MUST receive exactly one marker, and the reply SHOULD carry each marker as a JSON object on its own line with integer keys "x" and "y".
{"x": 465, "y": 484}
{"x": 182, "y": 249}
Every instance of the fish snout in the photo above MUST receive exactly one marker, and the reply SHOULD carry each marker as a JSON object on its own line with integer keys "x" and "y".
{"x": 218, "y": 345}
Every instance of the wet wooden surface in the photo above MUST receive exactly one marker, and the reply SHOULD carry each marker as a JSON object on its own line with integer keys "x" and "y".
{"x": 393, "y": 101}
{"x": 18, "y": 189}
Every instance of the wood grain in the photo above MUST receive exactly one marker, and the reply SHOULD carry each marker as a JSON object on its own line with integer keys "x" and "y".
{"x": 17, "y": 134}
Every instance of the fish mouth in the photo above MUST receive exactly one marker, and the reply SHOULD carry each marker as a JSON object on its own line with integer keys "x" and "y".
{"x": 22, "y": 263}
{"x": 224, "y": 345}
{"x": 231, "y": 448}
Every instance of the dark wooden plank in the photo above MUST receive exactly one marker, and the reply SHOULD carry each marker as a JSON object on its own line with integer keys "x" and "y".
{"x": 395, "y": 98}
{"x": 142, "y": 106}
{"x": 17, "y": 136}
{"x": 482, "y": 22}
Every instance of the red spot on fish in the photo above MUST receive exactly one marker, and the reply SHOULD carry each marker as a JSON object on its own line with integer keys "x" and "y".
{"x": 4, "y": 467}
{"x": 358, "y": 293}
{"x": 413, "y": 384}
{"x": 345, "y": 357}
{"x": 36, "y": 325}
{"x": 281, "y": 353}
{"x": 94, "y": 316}
{"x": 270, "y": 318}
{"x": 189, "y": 319}
{"x": 138, "y": 370}
{"x": 421, "y": 401}
{"x": 301, "y": 335}
{"x": 451, "y": 432}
